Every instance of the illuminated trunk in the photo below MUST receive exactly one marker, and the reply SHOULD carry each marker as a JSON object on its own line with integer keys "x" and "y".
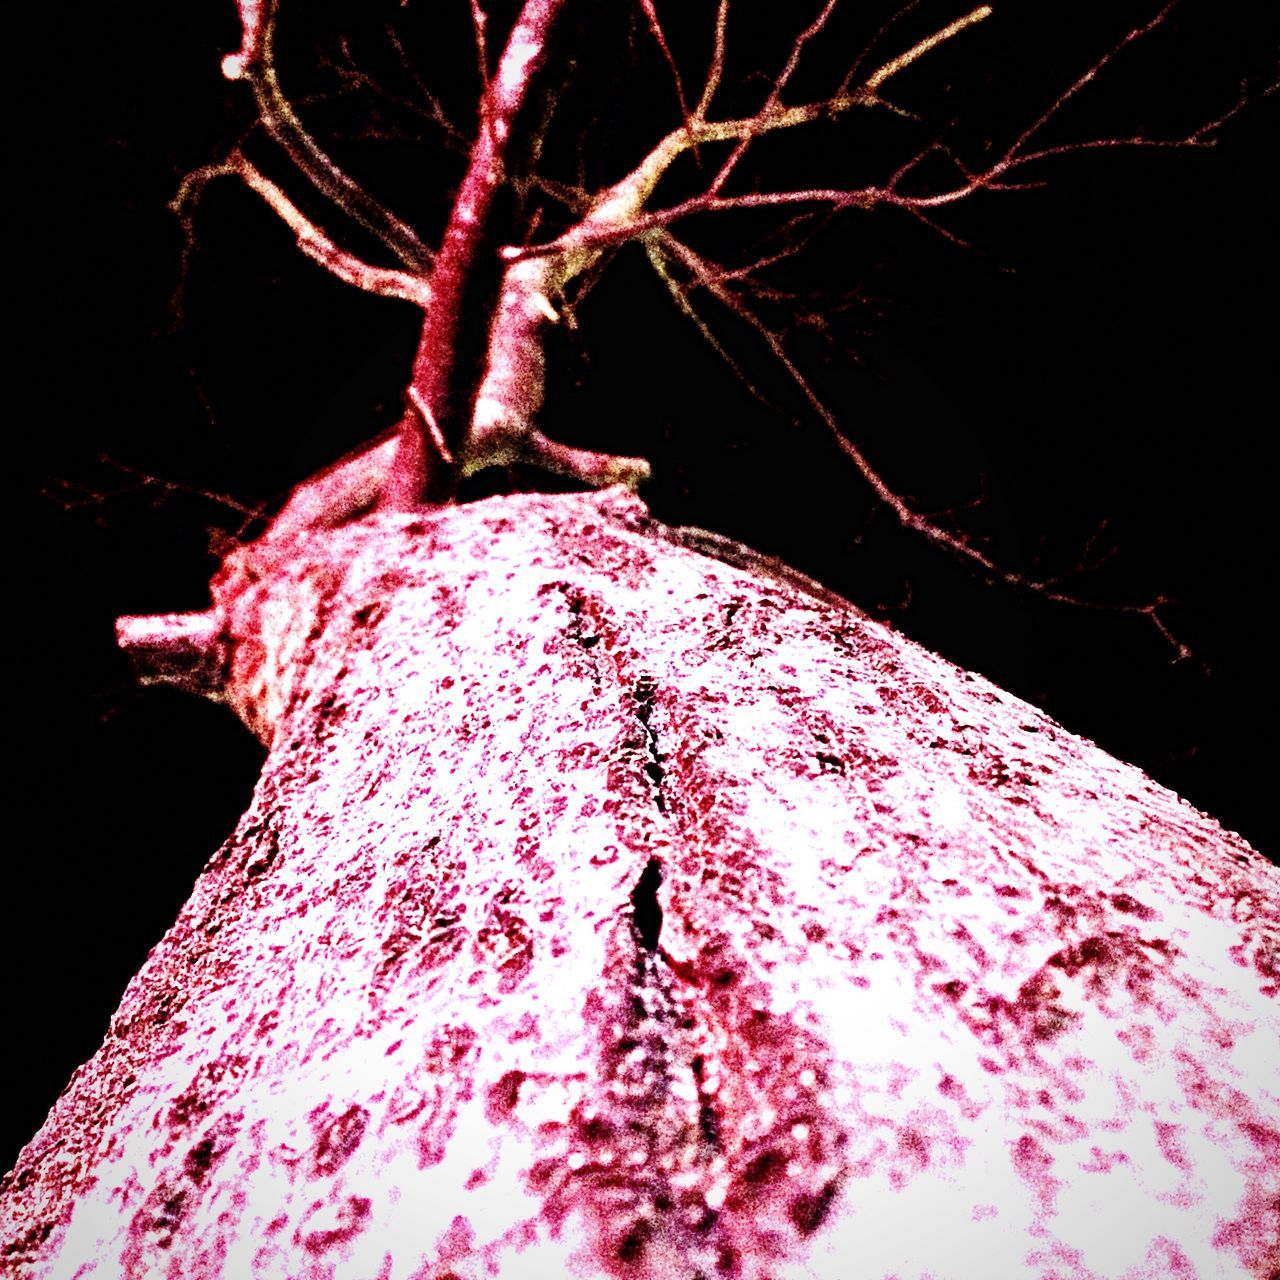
{"x": 608, "y": 910}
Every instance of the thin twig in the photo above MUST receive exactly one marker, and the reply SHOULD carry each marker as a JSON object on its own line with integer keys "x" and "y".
{"x": 906, "y": 515}
{"x": 773, "y": 101}
{"x": 355, "y": 80}
{"x": 72, "y": 495}
{"x": 434, "y": 112}
{"x": 658, "y": 247}
{"x": 716, "y": 70}
{"x": 660, "y": 39}
{"x": 479, "y": 28}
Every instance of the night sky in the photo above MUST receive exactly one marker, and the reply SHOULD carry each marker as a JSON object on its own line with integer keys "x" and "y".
{"x": 1084, "y": 387}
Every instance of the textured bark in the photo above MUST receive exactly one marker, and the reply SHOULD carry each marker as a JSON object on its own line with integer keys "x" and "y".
{"x": 466, "y": 281}
{"x": 608, "y": 910}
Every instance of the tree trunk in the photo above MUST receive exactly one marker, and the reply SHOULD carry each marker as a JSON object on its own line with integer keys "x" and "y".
{"x": 608, "y": 910}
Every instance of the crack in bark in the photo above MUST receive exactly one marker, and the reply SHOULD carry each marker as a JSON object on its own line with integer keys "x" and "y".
{"x": 645, "y": 691}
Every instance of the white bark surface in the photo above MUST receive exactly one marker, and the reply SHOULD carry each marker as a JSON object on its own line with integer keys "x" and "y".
{"x": 605, "y": 910}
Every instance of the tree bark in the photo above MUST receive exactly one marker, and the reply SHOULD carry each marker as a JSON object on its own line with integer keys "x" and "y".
{"x": 608, "y": 910}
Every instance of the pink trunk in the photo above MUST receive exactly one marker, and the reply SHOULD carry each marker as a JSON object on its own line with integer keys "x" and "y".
{"x": 609, "y": 911}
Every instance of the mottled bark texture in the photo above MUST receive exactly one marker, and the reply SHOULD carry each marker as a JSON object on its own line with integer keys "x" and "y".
{"x": 609, "y": 911}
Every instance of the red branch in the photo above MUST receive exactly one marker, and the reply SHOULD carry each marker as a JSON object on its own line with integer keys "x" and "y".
{"x": 464, "y": 288}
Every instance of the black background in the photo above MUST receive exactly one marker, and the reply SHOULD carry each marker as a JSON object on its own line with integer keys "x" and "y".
{"x": 1091, "y": 375}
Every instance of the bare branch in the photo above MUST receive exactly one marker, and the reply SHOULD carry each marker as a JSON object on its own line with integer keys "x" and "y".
{"x": 852, "y": 74}
{"x": 716, "y": 70}
{"x": 1198, "y": 137}
{"x": 1015, "y": 154}
{"x": 355, "y": 79}
{"x": 77, "y": 495}
{"x": 255, "y": 63}
{"x": 660, "y": 39}
{"x": 338, "y": 262}
{"x": 236, "y": 66}
{"x": 660, "y": 248}
{"x": 617, "y": 214}
{"x": 454, "y": 423}
{"x": 906, "y": 515}
{"x": 773, "y": 101}
{"x": 918, "y": 50}
{"x": 435, "y": 111}
{"x": 1070, "y": 92}
{"x": 599, "y": 232}
{"x": 794, "y": 234}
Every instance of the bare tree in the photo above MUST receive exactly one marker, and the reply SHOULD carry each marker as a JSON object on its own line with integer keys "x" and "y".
{"x": 615, "y": 900}
{"x": 476, "y": 389}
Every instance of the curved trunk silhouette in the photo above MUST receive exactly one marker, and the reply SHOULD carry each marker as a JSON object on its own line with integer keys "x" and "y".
{"x": 605, "y": 909}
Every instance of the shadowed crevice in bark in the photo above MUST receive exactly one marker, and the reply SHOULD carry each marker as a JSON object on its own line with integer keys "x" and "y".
{"x": 646, "y": 913}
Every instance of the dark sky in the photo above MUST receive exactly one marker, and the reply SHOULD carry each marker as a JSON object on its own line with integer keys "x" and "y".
{"x": 1085, "y": 386}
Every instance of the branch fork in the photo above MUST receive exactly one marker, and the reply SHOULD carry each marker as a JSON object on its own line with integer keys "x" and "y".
{"x": 477, "y": 386}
